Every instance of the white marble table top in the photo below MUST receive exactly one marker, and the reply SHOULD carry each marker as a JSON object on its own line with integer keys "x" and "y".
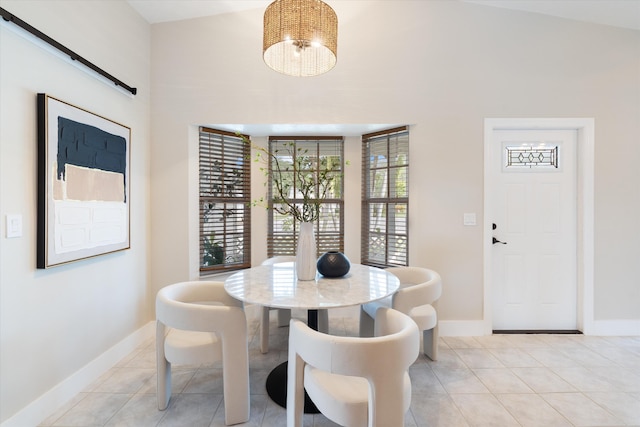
{"x": 277, "y": 286}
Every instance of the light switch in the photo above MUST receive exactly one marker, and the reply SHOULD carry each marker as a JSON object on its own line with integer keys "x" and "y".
{"x": 14, "y": 226}
{"x": 469, "y": 219}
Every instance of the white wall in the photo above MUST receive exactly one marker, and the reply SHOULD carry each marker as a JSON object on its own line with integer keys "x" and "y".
{"x": 55, "y": 322}
{"x": 441, "y": 67}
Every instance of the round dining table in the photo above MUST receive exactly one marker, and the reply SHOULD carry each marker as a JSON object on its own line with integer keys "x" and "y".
{"x": 278, "y": 286}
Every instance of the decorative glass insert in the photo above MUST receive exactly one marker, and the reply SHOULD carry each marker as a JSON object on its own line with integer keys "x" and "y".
{"x": 531, "y": 157}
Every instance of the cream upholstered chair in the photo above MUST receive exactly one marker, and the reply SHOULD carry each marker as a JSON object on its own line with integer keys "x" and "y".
{"x": 197, "y": 323}
{"x": 420, "y": 289}
{"x": 284, "y": 314}
{"x": 353, "y": 381}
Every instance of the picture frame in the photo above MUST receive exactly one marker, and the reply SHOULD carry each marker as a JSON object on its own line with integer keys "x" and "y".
{"x": 84, "y": 184}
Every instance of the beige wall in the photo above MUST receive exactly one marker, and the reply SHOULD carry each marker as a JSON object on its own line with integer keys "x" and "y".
{"x": 442, "y": 67}
{"x": 54, "y": 322}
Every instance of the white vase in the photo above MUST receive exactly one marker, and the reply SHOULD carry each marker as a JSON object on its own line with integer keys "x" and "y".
{"x": 306, "y": 256}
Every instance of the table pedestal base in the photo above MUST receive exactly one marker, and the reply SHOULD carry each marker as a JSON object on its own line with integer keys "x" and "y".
{"x": 277, "y": 389}
{"x": 277, "y": 379}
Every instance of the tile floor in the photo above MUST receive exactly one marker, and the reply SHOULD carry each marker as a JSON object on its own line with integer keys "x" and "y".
{"x": 500, "y": 380}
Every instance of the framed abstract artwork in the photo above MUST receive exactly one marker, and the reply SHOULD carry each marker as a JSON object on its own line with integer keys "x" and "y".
{"x": 83, "y": 184}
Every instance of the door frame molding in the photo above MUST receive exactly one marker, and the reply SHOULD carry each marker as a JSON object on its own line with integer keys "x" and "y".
{"x": 585, "y": 150}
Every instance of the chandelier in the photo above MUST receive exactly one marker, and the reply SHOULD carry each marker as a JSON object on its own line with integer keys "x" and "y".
{"x": 300, "y": 37}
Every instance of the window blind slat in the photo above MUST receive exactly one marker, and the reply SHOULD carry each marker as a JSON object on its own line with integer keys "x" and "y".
{"x": 329, "y": 229}
{"x": 225, "y": 220}
{"x": 385, "y": 172}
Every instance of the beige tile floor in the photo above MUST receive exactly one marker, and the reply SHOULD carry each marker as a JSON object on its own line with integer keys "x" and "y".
{"x": 500, "y": 380}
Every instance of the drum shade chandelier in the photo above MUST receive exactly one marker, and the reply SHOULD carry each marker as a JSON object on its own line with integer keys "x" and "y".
{"x": 300, "y": 37}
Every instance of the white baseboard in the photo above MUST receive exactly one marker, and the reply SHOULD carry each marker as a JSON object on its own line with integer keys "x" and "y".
{"x": 38, "y": 410}
{"x": 614, "y": 328}
{"x": 463, "y": 328}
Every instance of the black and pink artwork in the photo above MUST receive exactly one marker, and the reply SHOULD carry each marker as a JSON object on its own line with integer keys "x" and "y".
{"x": 83, "y": 184}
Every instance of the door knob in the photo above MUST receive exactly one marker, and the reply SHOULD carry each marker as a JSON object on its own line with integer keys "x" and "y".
{"x": 498, "y": 241}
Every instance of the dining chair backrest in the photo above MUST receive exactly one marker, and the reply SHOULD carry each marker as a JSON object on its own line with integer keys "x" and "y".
{"x": 420, "y": 289}
{"x": 418, "y": 286}
{"x": 374, "y": 370}
{"x": 198, "y": 322}
{"x": 197, "y": 306}
{"x": 278, "y": 259}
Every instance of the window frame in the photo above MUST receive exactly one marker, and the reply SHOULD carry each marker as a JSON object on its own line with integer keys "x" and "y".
{"x": 284, "y": 243}
{"x": 236, "y": 228}
{"x": 387, "y": 202}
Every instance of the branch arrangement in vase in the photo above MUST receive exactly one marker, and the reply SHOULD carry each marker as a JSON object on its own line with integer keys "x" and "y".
{"x": 300, "y": 180}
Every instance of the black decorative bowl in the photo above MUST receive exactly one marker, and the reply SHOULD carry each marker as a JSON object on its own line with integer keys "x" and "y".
{"x": 333, "y": 264}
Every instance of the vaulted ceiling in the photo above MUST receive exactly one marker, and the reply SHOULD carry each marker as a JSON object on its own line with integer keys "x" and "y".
{"x": 619, "y": 13}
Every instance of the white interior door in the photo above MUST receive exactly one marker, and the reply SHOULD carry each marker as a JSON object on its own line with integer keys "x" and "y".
{"x": 534, "y": 272}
